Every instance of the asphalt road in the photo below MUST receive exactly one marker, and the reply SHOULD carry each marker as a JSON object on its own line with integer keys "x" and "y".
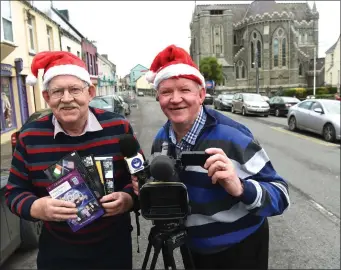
{"x": 305, "y": 236}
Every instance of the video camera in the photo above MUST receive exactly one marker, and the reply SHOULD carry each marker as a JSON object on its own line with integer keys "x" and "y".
{"x": 162, "y": 196}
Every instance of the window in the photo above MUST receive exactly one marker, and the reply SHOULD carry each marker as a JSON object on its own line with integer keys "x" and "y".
{"x": 68, "y": 48}
{"x": 256, "y": 50}
{"x": 300, "y": 69}
{"x": 284, "y": 52}
{"x": 279, "y": 48}
{"x": 78, "y": 54}
{"x": 49, "y": 37}
{"x": 30, "y": 23}
{"x": 305, "y": 105}
{"x": 275, "y": 52}
{"x": 331, "y": 78}
{"x": 216, "y": 12}
{"x": 217, "y": 39}
{"x": 6, "y": 21}
{"x": 240, "y": 70}
{"x": 7, "y": 113}
{"x": 234, "y": 39}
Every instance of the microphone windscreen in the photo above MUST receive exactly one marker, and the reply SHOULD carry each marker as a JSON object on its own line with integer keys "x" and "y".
{"x": 128, "y": 145}
{"x": 162, "y": 168}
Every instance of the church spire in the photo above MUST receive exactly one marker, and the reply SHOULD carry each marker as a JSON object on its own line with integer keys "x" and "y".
{"x": 314, "y": 7}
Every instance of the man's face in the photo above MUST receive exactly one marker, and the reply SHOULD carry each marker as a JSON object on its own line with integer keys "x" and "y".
{"x": 73, "y": 105}
{"x": 180, "y": 99}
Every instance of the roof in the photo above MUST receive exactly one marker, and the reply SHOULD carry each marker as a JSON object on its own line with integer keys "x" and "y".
{"x": 141, "y": 66}
{"x": 332, "y": 48}
{"x": 67, "y": 22}
{"x": 319, "y": 63}
{"x": 241, "y": 11}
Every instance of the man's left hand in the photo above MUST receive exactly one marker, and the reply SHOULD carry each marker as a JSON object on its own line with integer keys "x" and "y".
{"x": 116, "y": 203}
{"x": 220, "y": 169}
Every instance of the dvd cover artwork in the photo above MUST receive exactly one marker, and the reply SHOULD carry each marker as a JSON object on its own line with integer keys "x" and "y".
{"x": 73, "y": 188}
{"x": 107, "y": 168}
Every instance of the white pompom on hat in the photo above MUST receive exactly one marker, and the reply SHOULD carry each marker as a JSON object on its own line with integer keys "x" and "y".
{"x": 55, "y": 64}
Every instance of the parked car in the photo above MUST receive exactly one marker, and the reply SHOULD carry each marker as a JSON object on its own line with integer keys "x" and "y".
{"x": 109, "y": 102}
{"x": 320, "y": 116}
{"x": 280, "y": 105}
{"x": 208, "y": 99}
{"x": 33, "y": 116}
{"x": 266, "y": 98}
{"x": 223, "y": 102}
{"x": 249, "y": 103}
{"x": 126, "y": 106}
{"x": 140, "y": 94}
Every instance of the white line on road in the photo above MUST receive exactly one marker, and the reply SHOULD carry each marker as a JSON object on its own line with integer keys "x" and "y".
{"x": 325, "y": 212}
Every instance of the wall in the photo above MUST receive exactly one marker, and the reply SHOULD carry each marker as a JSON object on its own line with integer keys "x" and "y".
{"x": 142, "y": 83}
{"x": 332, "y": 66}
{"x": 135, "y": 73}
{"x": 74, "y": 46}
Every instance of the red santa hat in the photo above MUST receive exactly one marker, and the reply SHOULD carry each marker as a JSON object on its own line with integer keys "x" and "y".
{"x": 55, "y": 64}
{"x": 173, "y": 62}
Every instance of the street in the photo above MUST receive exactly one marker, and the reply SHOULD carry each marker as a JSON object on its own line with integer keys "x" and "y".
{"x": 307, "y": 235}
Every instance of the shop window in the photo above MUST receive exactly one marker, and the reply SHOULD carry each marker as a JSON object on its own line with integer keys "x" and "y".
{"x": 7, "y": 117}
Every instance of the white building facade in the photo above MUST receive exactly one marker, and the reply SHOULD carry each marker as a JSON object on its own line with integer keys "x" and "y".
{"x": 332, "y": 65}
{"x": 106, "y": 76}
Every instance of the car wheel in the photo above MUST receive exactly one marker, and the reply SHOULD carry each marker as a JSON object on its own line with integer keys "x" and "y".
{"x": 329, "y": 133}
{"x": 232, "y": 110}
{"x": 243, "y": 111}
{"x": 266, "y": 115}
{"x": 30, "y": 233}
{"x": 277, "y": 113}
{"x": 292, "y": 123}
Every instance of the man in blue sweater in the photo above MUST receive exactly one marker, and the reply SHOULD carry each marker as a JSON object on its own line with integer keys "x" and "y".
{"x": 72, "y": 126}
{"x": 236, "y": 190}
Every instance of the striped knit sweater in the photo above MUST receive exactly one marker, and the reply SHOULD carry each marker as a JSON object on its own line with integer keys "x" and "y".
{"x": 37, "y": 149}
{"x": 217, "y": 219}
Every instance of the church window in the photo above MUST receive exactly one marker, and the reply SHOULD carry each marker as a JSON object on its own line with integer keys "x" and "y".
{"x": 284, "y": 52}
{"x": 234, "y": 39}
{"x": 279, "y": 48}
{"x": 240, "y": 70}
{"x": 300, "y": 69}
{"x": 217, "y": 39}
{"x": 256, "y": 49}
{"x": 275, "y": 51}
{"x": 259, "y": 51}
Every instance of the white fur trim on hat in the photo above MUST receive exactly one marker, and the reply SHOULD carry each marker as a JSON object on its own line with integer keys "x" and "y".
{"x": 73, "y": 70}
{"x": 31, "y": 79}
{"x": 176, "y": 70}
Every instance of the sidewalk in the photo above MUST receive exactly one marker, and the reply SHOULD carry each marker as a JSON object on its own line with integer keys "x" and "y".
{"x": 6, "y": 155}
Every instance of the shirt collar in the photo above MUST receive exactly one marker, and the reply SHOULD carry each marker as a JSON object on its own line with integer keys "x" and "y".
{"x": 92, "y": 125}
{"x": 192, "y": 135}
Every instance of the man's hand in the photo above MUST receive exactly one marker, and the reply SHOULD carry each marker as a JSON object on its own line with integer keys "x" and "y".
{"x": 220, "y": 169}
{"x": 49, "y": 209}
{"x": 135, "y": 182}
{"x": 116, "y": 203}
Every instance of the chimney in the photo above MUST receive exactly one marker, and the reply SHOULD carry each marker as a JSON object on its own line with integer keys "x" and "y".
{"x": 105, "y": 56}
{"x": 65, "y": 13}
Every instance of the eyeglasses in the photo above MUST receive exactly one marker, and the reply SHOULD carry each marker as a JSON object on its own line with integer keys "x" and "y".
{"x": 74, "y": 91}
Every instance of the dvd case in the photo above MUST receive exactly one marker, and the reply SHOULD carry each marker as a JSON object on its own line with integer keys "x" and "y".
{"x": 73, "y": 188}
{"x": 107, "y": 170}
{"x": 70, "y": 162}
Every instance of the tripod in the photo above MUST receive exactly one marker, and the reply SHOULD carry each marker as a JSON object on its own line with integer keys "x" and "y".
{"x": 166, "y": 238}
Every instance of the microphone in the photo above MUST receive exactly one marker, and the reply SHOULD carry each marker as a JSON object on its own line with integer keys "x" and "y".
{"x": 129, "y": 149}
{"x": 162, "y": 168}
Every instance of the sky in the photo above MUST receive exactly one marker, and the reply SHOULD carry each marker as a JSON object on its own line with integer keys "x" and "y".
{"x": 134, "y": 33}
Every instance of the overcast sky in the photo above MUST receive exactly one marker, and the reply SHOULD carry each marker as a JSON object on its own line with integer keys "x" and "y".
{"x": 133, "y": 33}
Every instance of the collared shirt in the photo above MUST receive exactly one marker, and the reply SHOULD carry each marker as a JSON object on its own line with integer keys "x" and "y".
{"x": 189, "y": 139}
{"x": 92, "y": 125}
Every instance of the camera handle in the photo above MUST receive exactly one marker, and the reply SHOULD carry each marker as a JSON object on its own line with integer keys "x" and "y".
{"x": 167, "y": 242}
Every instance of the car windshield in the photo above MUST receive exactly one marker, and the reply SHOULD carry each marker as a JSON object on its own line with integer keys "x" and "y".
{"x": 253, "y": 98}
{"x": 227, "y": 97}
{"x": 100, "y": 103}
{"x": 290, "y": 99}
{"x": 332, "y": 106}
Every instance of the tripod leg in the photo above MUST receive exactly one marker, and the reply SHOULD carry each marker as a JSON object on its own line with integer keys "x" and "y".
{"x": 165, "y": 257}
{"x": 146, "y": 257}
{"x": 187, "y": 257}
{"x": 157, "y": 249}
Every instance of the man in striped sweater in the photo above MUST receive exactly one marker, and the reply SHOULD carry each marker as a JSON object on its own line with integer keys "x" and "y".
{"x": 72, "y": 126}
{"x": 236, "y": 190}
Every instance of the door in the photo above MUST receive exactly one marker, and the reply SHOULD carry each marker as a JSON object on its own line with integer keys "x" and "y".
{"x": 23, "y": 99}
{"x": 316, "y": 120}
{"x": 303, "y": 113}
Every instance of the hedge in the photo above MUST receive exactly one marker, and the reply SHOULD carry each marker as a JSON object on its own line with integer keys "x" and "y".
{"x": 321, "y": 92}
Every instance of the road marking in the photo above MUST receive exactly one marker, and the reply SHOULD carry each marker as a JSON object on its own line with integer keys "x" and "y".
{"x": 325, "y": 212}
{"x": 280, "y": 129}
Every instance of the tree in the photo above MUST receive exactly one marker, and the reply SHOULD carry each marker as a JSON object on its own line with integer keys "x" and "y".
{"x": 211, "y": 69}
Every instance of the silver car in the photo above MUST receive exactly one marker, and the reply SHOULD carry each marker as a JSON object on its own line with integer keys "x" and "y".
{"x": 249, "y": 103}
{"x": 321, "y": 116}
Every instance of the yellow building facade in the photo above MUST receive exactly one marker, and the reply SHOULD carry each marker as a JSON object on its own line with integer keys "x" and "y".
{"x": 25, "y": 31}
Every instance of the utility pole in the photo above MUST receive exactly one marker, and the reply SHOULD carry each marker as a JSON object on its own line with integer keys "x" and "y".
{"x": 257, "y": 70}
{"x": 314, "y": 87}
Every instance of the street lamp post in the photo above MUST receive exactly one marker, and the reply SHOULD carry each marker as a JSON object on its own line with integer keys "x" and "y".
{"x": 257, "y": 70}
